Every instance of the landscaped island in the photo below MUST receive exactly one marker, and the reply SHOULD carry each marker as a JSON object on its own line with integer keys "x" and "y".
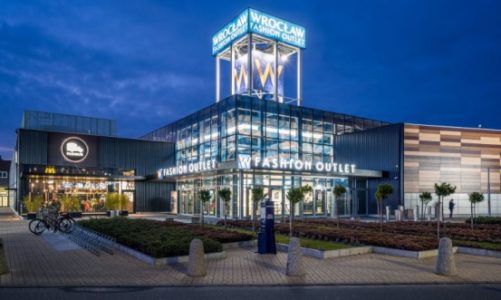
{"x": 413, "y": 236}
{"x": 163, "y": 239}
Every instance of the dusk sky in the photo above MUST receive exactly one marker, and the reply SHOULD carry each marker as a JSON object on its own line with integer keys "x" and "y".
{"x": 147, "y": 63}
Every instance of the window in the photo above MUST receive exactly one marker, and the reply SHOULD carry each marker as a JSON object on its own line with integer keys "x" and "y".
{"x": 3, "y": 174}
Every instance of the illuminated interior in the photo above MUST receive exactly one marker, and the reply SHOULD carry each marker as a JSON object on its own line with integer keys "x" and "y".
{"x": 90, "y": 191}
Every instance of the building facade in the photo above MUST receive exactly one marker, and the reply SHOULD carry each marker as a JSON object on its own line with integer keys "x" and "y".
{"x": 257, "y": 136}
{"x": 58, "y": 155}
{"x": 4, "y": 182}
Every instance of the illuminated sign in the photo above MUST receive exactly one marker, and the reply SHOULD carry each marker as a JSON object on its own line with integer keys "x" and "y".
{"x": 234, "y": 30}
{"x": 50, "y": 170}
{"x": 208, "y": 165}
{"x": 74, "y": 149}
{"x": 246, "y": 162}
{"x": 264, "y": 74}
{"x": 263, "y": 24}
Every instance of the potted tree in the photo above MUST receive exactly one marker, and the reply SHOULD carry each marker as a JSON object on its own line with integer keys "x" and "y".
{"x": 339, "y": 190}
{"x": 32, "y": 205}
{"x": 383, "y": 191}
{"x": 225, "y": 195}
{"x": 71, "y": 205}
{"x": 296, "y": 195}
{"x": 425, "y": 198}
{"x": 123, "y": 200}
{"x": 205, "y": 197}
{"x": 257, "y": 195}
{"x": 442, "y": 190}
{"x": 474, "y": 198}
{"x": 112, "y": 204}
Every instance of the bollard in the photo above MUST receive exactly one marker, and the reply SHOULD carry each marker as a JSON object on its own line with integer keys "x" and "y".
{"x": 445, "y": 260}
{"x": 416, "y": 214}
{"x": 197, "y": 266}
{"x": 294, "y": 259}
{"x": 387, "y": 213}
{"x": 398, "y": 215}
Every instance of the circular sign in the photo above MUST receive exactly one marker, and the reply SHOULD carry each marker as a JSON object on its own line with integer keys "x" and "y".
{"x": 74, "y": 149}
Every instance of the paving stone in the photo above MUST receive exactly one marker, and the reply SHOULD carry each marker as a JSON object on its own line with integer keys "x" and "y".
{"x": 33, "y": 261}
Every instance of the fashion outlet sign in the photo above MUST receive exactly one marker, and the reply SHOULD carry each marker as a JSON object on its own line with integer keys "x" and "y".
{"x": 247, "y": 162}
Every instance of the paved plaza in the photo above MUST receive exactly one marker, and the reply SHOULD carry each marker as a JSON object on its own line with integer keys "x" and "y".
{"x": 52, "y": 260}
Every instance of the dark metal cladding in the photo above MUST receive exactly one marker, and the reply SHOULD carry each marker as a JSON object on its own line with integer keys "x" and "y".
{"x": 112, "y": 153}
{"x": 379, "y": 149}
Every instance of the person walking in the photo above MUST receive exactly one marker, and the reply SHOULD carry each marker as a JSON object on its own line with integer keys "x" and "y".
{"x": 451, "y": 208}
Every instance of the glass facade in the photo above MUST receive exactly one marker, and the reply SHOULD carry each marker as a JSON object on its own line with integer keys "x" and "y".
{"x": 244, "y": 125}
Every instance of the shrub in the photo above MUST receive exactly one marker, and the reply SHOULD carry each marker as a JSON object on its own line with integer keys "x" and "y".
{"x": 162, "y": 239}
{"x": 485, "y": 220}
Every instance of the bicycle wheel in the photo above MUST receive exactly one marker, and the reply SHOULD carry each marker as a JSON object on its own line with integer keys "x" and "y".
{"x": 65, "y": 224}
{"x": 37, "y": 226}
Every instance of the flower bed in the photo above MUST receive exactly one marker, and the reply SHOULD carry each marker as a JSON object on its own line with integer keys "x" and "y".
{"x": 485, "y": 233}
{"x": 162, "y": 239}
{"x": 361, "y": 237}
{"x": 355, "y": 237}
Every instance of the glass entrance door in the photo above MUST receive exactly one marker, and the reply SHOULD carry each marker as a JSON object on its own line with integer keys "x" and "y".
{"x": 320, "y": 206}
{"x": 187, "y": 202}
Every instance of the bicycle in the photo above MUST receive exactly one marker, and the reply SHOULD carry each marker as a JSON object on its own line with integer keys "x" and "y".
{"x": 51, "y": 219}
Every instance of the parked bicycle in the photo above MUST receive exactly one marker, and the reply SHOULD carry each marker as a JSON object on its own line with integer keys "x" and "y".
{"x": 50, "y": 219}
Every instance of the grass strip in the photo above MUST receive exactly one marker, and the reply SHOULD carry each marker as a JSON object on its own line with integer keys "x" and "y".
{"x": 305, "y": 242}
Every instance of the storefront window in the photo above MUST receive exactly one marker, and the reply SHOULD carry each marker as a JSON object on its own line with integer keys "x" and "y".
{"x": 87, "y": 194}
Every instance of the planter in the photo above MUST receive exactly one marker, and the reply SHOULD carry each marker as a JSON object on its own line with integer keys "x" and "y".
{"x": 172, "y": 260}
{"x": 320, "y": 254}
{"x": 31, "y": 216}
{"x": 75, "y": 214}
{"x": 113, "y": 213}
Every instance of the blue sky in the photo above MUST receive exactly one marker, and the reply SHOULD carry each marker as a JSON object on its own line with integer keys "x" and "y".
{"x": 147, "y": 63}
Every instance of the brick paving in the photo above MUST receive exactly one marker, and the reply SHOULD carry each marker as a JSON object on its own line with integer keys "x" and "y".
{"x": 34, "y": 261}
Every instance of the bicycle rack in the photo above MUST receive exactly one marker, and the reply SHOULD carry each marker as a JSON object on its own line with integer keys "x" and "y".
{"x": 93, "y": 241}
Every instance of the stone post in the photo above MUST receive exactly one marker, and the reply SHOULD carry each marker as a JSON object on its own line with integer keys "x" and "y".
{"x": 197, "y": 266}
{"x": 387, "y": 213}
{"x": 398, "y": 214}
{"x": 416, "y": 214}
{"x": 428, "y": 213}
{"x": 294, "y": 259}
{"x": 445, "y": 260}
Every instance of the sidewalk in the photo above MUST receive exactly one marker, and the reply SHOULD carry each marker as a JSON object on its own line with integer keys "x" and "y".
{"x": 37, "y": 261}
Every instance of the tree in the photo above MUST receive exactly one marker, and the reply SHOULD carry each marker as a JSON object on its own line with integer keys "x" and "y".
{"x": 225, "y": 195}
{"x": 474, "y": 198}
{"x": 442, "y": 190}
{"x": 338, "y": 191}
{"x": 205, "y": 197}
{"x": 425, "y": 198}
{"x": 296, "y": 195}
{"x": 383, "y": 191}
{"x": 257, "y": 195}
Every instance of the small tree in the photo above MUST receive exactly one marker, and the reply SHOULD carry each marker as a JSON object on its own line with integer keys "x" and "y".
{"x": 205, "y": 197}
{"x": 225, "y": 195}
{"x": 474, "y": 198}
{"x": 32, "y": 204}
{"x": 296, "y": 195}
{"x": 339, "y": 190}
{"x": 123, "y": 200}
{"x": 257, "y": 195}
{"x": 425, "y": 198}
{"x": 442, "y": 190}
{"x": 383, "y": 191}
